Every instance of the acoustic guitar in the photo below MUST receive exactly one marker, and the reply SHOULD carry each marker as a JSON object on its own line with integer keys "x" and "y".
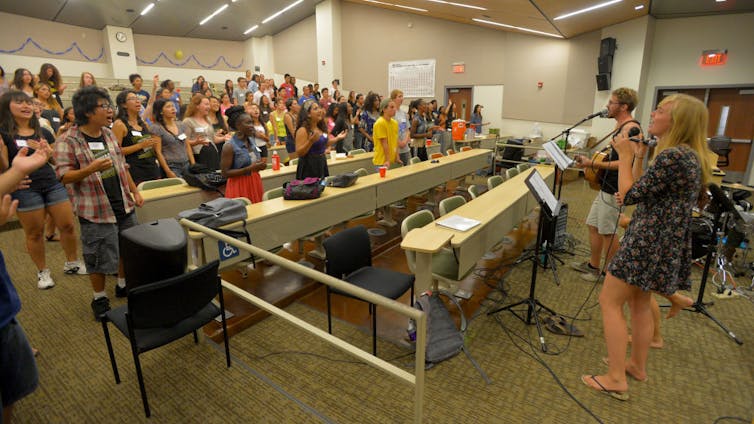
{"x": 595, "y": 175}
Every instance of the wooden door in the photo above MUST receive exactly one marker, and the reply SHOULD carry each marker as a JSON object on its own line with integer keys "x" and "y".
{"x": 461, "y": 97}
{"x": 740, "y": 102}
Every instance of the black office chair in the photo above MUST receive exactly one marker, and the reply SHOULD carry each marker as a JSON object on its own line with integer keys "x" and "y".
{"x": 720, "y": 144}
{"x": 161, "y": 312}
{"x": 349, "y": 257}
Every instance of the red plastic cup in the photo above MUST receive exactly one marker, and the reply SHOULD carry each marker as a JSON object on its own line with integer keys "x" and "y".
{"x": 429, "y": 142}
{"x": 383, "y": 171}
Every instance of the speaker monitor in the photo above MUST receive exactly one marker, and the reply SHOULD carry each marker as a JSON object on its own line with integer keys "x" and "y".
{"x": 153, "y": 251}
{"x": 603, "y": 82}
{"x": 605, "y": 64}
{"x": 607, "y": 46}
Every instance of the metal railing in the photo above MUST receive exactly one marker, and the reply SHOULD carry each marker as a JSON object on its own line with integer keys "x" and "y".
{"x": 416, "y": 379}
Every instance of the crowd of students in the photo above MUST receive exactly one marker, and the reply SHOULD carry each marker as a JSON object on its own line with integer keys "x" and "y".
{"x": 103, "y": 151}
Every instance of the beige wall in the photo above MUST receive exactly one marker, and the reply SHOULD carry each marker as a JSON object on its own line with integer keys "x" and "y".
{"x": 295, "y": 50}
{"x": 677, "y": 49}
{"x": 372, "y": 37}
{"x": 207, "y": 52}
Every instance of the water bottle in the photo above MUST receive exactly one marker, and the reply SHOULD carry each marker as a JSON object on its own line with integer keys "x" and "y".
{"x": 411, "y": 330}
{"x": 275, "y": 161}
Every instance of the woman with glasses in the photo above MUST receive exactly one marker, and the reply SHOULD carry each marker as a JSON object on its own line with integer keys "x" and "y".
{"x": 45, "y": 194}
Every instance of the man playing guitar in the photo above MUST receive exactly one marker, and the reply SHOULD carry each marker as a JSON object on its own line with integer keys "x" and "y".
{"x": 603, "y": 215}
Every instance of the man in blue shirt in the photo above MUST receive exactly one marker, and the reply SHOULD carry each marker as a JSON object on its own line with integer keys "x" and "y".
{"x": 18, "y": 370}
{"x": 307, "y": 95}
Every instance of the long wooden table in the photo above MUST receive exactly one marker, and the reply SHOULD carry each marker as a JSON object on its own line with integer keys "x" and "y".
{"x": 276, "y": 221}
{"x": 167, "y": 202}
{"x": 498, "y": 210}
{"x": 272, "y": 179}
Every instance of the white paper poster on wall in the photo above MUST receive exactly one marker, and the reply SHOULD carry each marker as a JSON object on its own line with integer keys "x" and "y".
{"x": 416, "y": 78}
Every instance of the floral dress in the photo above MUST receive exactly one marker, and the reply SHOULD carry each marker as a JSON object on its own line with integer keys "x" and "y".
{"x": 655, "y": 253}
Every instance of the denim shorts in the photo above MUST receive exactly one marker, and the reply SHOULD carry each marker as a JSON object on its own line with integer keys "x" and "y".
{"x": 99, "y": 244}
{"x": 32, "y": 199}
{"x": 18, "y": 369}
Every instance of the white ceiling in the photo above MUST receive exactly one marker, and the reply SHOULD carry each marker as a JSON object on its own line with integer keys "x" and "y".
{"x": 180, "y": 18}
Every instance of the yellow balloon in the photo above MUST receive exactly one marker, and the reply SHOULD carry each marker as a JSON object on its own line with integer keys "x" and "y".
{"x": 179, "y": 54}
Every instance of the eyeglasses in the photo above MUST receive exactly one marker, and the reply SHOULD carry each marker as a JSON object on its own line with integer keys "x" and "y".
{"x": 105, "y": 106}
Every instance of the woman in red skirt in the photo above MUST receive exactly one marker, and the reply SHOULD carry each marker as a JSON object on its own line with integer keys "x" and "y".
{"x": 241, "y": 159}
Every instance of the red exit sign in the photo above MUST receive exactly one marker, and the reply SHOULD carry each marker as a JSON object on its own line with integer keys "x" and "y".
{"x": 459, "y": 68}
{"x": 714, "y": 57}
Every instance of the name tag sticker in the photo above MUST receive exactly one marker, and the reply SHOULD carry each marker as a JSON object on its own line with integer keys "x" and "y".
{"x": 55, "y": 119}
{"x": 22, "y": 143}
{"x": 97, "y": 145}
{"x": 181, "y": 136}
{"x": 136, "y": 133}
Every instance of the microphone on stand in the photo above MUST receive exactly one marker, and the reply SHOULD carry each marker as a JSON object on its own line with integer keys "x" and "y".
{"x": 602, "y": 114}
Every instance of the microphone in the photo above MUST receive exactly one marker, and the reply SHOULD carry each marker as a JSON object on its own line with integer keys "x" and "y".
{"x": 602, "y": 113}
{"x": 720, "y": 198}
{"x": 633, "y": 132}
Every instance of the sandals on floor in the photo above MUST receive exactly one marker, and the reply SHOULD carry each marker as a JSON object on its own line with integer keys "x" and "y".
{"x": 615, "y": 394}
{"x": 628, "y": 373}
{"x": 559, "y": 325}
{"x": 52, "y": 237}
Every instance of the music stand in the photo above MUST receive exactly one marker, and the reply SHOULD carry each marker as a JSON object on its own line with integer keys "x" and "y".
{"x": 551, "y": 206}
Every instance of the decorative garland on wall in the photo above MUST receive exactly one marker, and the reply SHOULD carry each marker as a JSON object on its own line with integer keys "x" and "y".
{"x": 162, "y": 55}
{"x": 74, "y": 45}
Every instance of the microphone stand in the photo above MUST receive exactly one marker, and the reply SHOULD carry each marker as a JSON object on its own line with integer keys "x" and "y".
{"x": 566, "y": 132}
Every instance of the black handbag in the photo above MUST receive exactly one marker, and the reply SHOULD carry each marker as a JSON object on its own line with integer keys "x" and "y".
{"x": 344, "y": 180}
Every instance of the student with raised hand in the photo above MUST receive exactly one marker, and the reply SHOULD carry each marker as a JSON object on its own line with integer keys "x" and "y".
{"x": 311, "y": 142}
{"x": 139, "y": 146}
{"x": 18, "y": 367}
{"x": 49, "y": 74}
{"x": 89, "y": 160}
{"x": 241, "y": 159}
{"x": 45, "y": 194}
{"x": 172, "y": 138}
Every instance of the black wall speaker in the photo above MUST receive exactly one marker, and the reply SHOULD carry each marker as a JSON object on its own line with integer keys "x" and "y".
{"x": 605, "y": 64}
{"x": 607, "y": 47}
{"x": 603, "y": 82}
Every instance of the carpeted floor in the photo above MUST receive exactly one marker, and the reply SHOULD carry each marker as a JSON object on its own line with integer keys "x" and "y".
{"x": 281, "y": 374}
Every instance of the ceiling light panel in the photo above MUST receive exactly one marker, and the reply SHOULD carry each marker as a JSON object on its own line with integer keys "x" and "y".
{"x": 587, "y": 9}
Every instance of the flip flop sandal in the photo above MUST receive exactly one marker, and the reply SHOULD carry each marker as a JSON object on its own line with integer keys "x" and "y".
{"x": 554, "y": 326}
{"x": 52, "y": 237}
{"x": 622, "y": 396}
{"x": 569, "y": 328}
{"x": 628, "y": 373}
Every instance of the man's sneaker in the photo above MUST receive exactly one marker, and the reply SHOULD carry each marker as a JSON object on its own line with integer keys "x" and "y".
{"x": 100, "y": 306}
{"x": 582, "y": 266}
{"x": 590, "y": 276}
{"x": 74, "y": 267}
{"x": 44, "y": 281}
{"x": 121, "y": 291}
